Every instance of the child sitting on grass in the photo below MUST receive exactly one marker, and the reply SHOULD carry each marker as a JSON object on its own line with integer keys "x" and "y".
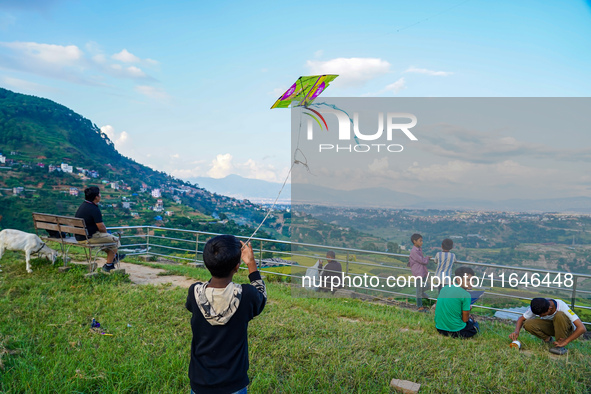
{"x": 221, "y": 312}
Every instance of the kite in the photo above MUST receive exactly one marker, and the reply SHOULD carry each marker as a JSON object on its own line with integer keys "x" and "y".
{"x": 304, "y": 91}
{"x": 301, "y": 94}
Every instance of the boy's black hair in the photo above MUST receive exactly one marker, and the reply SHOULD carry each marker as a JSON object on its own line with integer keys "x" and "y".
{"x": 447, "y": 244}
{"x": 461, "y": 271}
{"x": 539, "y": 306}
{"x": 331, "y": 255}
{"x": 221, "y": 254}
{"x": 91, "y": 192}
{"x": 415, "y": 237}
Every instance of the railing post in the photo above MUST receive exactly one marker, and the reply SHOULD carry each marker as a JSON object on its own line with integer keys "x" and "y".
{"x": 147, "y": 240}
{"x": 574, "y": 295}
{"x": 260, "y": 254}
{"x": 196, "y": 247}
{"x": 347, "y": 265}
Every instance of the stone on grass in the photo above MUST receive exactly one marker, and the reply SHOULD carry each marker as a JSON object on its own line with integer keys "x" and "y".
{"x": 63, "y": 269}
{"x": 405, "y": 386}
{"x": 91, "y": 275}
{"x": 118, "y": 271}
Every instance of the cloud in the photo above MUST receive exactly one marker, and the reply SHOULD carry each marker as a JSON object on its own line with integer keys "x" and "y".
{"x": 221, "y": 166}
{"x": 425, "y": 71}
{"x": 118, "y": 139}
{"x": 489, "y": 147}
{"x": 66, "y": 62}
{"x": 379, "y": 165}
{"x": 352, "y": 71}
{"x": 396, "y": 86}
{"x": 46, "y": 53}
{"x": 393, "y": 88}
{"x": 125, "y": 57}
{"x": 152, "y": 92}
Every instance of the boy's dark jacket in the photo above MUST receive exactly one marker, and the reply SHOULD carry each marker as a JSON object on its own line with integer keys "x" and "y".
{"x": 219, "y": 349}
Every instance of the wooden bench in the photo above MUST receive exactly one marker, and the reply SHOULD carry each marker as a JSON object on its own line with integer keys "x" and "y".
{"x": 66, "y": 228}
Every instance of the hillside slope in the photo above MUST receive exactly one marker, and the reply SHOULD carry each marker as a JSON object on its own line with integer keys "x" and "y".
{"x": 49, "y": 154}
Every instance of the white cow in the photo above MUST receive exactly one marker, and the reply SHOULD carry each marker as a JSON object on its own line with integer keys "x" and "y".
{"x": 28, "y": 243}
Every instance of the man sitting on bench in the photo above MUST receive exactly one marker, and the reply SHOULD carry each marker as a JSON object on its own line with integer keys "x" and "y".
{"x": 97, "y": 231}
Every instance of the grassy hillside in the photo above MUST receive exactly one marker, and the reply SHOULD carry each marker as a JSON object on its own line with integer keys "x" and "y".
{"x": 297, "y": 345}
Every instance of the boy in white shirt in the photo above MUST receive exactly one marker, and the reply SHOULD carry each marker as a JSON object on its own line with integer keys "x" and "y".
{"x": 445, "y": 261}
{"x": 550, "y": 317}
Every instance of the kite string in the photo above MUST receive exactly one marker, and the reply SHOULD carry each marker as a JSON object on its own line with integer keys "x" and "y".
{"x": 275, "y": 202}
{"x": 295, "y": 161}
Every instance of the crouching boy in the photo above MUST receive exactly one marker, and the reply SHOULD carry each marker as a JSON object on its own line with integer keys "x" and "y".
{"x": 452, "y": 312}
{"x": 550, "y": 317}
{"x": 221, "y": 312}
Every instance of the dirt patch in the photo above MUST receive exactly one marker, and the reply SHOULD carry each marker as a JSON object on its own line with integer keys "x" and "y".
{"x": 143, "y": 275}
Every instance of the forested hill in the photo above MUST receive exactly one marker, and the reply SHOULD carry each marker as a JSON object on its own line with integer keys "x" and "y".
{"x": 49, "y": 154}
{"x": 41, "y": 129}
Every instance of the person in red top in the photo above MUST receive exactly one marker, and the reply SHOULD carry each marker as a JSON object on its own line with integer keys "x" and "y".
{"x": 418, "y": 266}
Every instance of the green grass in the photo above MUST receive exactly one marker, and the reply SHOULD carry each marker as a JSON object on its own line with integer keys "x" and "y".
{"x": 297, "y": 345}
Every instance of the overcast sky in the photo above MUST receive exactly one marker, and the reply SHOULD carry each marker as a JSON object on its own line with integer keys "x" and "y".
{"x": 185, "y": 86}
{"x": 462, "y": 148}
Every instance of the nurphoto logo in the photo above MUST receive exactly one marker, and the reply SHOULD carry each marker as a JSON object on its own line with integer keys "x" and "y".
{"x": 394, "y": 124}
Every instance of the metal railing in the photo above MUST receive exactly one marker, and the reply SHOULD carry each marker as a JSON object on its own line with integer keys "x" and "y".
{"x": 185, "y": 246}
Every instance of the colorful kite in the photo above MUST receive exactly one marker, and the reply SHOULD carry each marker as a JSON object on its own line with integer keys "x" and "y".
{"x": 304, "y": 91}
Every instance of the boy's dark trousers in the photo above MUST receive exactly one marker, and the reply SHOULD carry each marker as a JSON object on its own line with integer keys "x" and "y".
{"x": 470, "y": 330}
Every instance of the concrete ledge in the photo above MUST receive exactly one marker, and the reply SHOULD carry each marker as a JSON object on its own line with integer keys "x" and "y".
{"x": 405, "y": 386}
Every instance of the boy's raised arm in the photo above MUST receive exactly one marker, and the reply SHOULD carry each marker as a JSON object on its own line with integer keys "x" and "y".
{"x": 248, "y": 257}
{"x": 254, "y": 276}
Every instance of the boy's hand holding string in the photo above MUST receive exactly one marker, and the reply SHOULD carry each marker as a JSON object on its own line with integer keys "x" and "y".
{"x": 247, "y": 256}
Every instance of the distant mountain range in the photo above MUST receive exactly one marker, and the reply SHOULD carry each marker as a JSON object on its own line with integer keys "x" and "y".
{"x": 386, "y": 198}
{"x": 262, "y": 191}
{"x": 255, "y": 190}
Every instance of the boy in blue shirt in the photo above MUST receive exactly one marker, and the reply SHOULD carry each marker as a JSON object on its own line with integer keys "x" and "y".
{"x": 221, "y": 312}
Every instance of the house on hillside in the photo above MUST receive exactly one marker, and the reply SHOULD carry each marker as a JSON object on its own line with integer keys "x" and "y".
{"x": 159, "y": 207}
{"x": 52, "y": 168}
{"x": 135, "y": 215}
{"x": 156, "y": 193}
{"x": 115, "y": 185}
{"x": 126, "y": 204}
{"x": 2, "y": 159}
{"x": 74, "y": 191}
{"x": 65, "y": 167}
{"x": 17, "y": 190}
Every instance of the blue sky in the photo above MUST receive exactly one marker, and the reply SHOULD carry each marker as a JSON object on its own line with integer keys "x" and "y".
{"x": 185, "y": 86}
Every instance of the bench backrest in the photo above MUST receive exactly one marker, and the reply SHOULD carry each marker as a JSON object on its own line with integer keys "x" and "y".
{"x": 61, "y": 224}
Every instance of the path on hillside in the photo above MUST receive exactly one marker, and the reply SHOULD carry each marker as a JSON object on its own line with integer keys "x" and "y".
{"x": 143, "y": 275}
